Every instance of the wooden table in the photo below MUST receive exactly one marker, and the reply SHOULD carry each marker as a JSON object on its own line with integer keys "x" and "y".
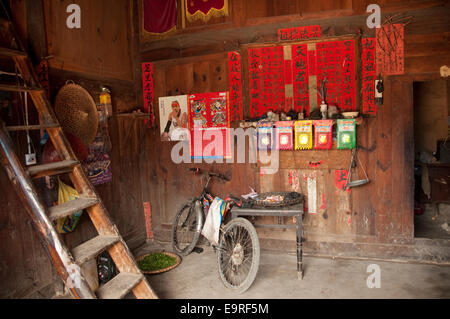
{"x": 287, "y": 211}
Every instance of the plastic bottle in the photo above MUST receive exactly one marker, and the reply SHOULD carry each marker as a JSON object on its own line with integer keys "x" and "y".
{"x": 105, "y": 101}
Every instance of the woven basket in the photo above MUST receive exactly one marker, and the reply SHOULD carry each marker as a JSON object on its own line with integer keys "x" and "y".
{"x": 154, "y": 272}
{"x": 76, "y": 111}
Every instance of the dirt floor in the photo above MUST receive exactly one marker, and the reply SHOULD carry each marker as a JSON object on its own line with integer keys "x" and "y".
{"x": 434, "y": 223}
{"x": 197, "y": 277}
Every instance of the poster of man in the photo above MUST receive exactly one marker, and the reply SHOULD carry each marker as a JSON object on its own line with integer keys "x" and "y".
{"x": 173, "y": 118}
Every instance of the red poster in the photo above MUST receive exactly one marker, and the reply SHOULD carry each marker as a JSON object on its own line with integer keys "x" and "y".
{"x": 147, "y": 88}
{"x": 312, "y": 62}
{"x": 235, "y": 86}
{"x": 266, "y": 80}
{"x": 299, "y": 33}
{"x": 390, "y": 49}
{"x": 336, "y": 64}
{"x": 254, "y": 62}
{"x": 368, "y": 75}
{"x": 209, "y": 120}
{"x": 301, "y": 78}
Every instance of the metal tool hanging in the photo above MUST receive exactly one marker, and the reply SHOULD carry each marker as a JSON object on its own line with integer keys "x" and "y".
{"x": 352, "y": 165}
{"x": 30, "y": 157}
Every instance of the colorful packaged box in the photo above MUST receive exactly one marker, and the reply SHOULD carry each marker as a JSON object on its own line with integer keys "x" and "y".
{"x": 303, "y": 135}
{"x": 265, "y": 135}
{"x": 323, "y": 134}
{"x": 346, "y": 134}
{"x": 284, "y": 135}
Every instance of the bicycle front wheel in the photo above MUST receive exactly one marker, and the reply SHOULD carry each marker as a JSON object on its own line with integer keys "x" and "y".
{"x": 238, "y": 255}
{"x": 186, "y": 228}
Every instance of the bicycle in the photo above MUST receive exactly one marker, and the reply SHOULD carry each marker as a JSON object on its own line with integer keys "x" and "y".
{"x": 238, "y": 250}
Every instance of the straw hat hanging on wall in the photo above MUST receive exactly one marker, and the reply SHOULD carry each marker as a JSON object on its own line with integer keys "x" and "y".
{"x": 76, "y": 111}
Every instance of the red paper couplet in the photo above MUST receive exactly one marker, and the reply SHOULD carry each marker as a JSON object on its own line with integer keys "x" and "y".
{"x": 299, "y": 33}
{"x": 301, "y": 78}
{"x": 390, "y": 49}
{"x": 266, "y": 80}
{"x": 235, "y": 85}
{"x": 254, "y": 62}
{"x": 368, "y": 75}
{"x": 336, "y": 63}
{"x": 147, "y": 88}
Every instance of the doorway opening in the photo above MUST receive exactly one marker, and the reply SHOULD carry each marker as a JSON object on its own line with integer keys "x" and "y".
{"x": 432, "y": 159}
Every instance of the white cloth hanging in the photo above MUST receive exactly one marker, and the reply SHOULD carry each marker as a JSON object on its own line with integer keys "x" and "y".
{"x": 213, "y": 221}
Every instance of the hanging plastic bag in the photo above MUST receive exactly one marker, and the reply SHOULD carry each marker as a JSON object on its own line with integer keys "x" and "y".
{"x": 213, "y": 221}
{"x": 67, "y": 224}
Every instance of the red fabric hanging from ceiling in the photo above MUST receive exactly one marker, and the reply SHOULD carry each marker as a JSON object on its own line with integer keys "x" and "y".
{"x": 159, "y": 15}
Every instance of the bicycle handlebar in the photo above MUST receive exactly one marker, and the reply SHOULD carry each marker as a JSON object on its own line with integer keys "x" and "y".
{"x": 197, "y": 170}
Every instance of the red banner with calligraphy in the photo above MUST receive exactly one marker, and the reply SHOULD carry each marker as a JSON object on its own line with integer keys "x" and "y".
{"x": 299, "y": 33}
{"x": 266, "y": 80}
{"x": 368, "y": 75}
{"x": 235, "y": 86}
{"x": 282, "y": 79}
{"x": 147, "y": 88}
{"x": 301, "y": 78}
{"x": 336, "y": 64}
{"x": 390, "y": 57}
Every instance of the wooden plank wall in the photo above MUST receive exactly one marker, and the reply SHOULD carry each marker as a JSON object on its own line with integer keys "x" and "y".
{"x": 379, "y": 212}
{"x": 25, "y": 269}
{"x": 169, "y": 184}
{"x": 107, "y": 52}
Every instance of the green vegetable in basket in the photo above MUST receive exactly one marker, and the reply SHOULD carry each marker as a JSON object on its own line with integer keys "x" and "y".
{"x": 156, "y": 261}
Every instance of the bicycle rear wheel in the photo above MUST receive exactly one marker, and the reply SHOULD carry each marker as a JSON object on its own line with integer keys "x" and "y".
{"x": 238, "y": 255}
{"x": 186, "y": 228}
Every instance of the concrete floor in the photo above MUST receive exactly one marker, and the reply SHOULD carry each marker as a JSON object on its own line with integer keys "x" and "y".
{"x": 197, "y": 277}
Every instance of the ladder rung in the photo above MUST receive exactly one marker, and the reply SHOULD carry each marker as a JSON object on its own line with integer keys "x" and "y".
{"x": 68, "y": 208}
{"x": 92, "y": 248}
{"x": 11, "y": 52}
{"x": 119, "y": 286}
{"x": 31, "y": 127}
{"x": 17, "y": 88}
{"x": 50, "y": 169}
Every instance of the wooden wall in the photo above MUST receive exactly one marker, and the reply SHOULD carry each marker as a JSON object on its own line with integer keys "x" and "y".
{"x": 101, "y": 53}
{"x": 108, "y": 51}
{"x": 370, "y": 216}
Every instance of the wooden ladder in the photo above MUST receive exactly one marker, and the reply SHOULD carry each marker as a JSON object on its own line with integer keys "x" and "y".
{"x": 67, "y": 263}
